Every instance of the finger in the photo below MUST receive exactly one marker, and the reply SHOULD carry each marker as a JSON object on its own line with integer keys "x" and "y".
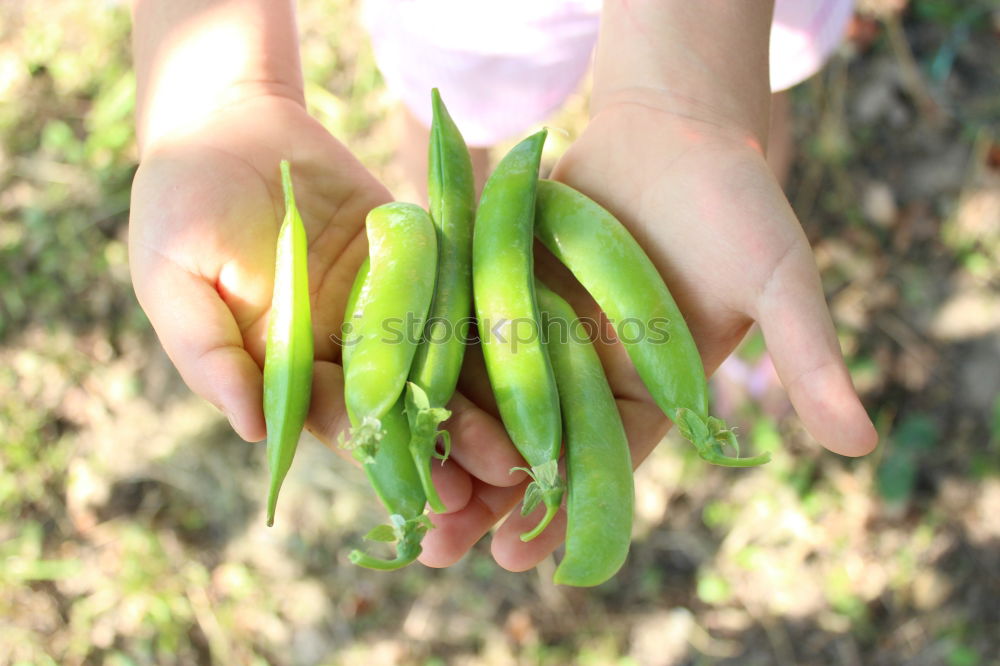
{"x": 481, "y": 445}
{"x": 645, "y": 426}
{"x": 202, "y": 339}
{"x": 455, "y": 533}
{"x": 515, "y": 555}
{"x": 474, "y": 383}
{"x": 453, "y": 484}
{"x": 801, "y": 339}
{"x": 327, "y": 417}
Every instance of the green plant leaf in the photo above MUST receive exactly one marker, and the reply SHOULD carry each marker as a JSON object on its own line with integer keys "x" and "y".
{"x": 382, "y": 533}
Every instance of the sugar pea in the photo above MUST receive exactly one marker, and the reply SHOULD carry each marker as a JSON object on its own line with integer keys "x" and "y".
{"x": 600, "y": 493}
{"x": 394, "y": 477}
{"x": 503, "y": 288}
{"x": 288, "y": 355}
{"x": 434, "y": 375}
{"x": 611, "y": 265}
{"x": 390, "y": 469}
{"x": 388, "y": 318}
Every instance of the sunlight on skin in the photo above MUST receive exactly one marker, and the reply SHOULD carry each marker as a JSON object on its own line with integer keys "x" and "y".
{"x": 207, "y": 51}
{"x": 194, "y": 57}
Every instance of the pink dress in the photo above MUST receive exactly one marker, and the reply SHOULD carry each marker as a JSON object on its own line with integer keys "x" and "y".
{"x": 505, "y": 66}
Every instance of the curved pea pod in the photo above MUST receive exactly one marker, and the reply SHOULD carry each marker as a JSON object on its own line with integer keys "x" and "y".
{"x": 394, "y": 478}
{"x": 600, "y": 494}
{"x": 438, "y": 361}
{"x": 611, "y": 265}
{"x": 504, "y": 295}
{"x": 288, "y": 355}
{"x": 390, "y": 470}
{"x": 389, "y": 315}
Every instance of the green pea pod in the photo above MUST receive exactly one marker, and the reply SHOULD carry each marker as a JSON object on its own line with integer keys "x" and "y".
{"x": 394, "y": 478}
{"x": 389, "y": 316}
{"x": 349, "y": 337}
{"x": 611, "y": 265}
{"x": 288, "y": 356}
{"x": 434, "y": 375}
{"x": 390, "y": 470}
{"x": 600, "y": 494}
{"x": 504, "y": 295}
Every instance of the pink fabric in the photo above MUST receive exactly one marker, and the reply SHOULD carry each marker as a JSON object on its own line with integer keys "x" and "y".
{"x": 804, "y": 34}
{"x": 503, "y": 67}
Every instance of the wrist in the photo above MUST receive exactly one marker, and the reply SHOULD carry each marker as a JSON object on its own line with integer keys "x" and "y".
{"x": 705, "y": 61}
{"x": 647, "y": 111}
{"x": 197, "y": 57}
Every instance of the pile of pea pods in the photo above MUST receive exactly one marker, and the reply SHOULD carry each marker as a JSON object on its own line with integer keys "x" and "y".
{"x": 430, "y": 269}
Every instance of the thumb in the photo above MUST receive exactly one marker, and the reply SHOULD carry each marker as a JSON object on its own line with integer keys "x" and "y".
{"x": 202, "y": 339}
{"x": 801, "y": 339}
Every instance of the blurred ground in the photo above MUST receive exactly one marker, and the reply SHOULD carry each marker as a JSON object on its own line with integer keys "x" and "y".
{"x": 131, "y": 518}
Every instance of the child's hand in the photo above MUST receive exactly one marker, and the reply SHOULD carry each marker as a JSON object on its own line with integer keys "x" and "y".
{"x": 206, "y": 207}
{"x": 701, "y": 200}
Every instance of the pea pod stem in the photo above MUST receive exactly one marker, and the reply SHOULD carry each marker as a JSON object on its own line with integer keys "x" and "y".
{"x": 407, "y": 533}
{"x": 424, "y": 435}
{"x": 438, "y": 361}
{"x": 545, "y": 488}
{"x": 709, "y": 436}
{"x": 288, "y": 355}
{"x": 365, "y": 439}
